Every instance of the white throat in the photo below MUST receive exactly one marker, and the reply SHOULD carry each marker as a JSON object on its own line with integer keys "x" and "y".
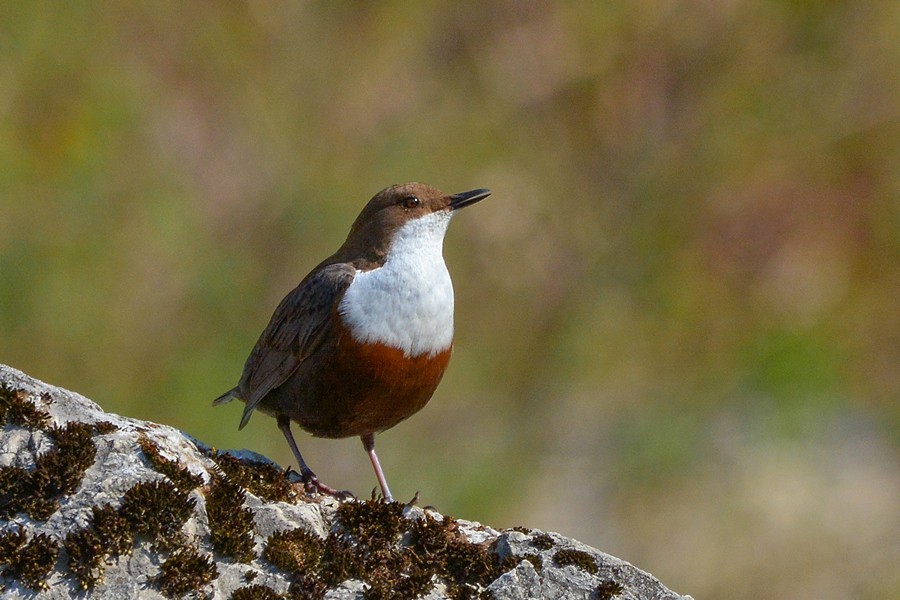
{"x": 407, "y": 303}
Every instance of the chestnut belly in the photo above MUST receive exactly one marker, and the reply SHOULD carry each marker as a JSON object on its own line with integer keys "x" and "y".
{"x": 354, "y": 389}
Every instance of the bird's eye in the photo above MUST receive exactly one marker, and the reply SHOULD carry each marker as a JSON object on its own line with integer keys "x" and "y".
{"x": 410, "y": 202}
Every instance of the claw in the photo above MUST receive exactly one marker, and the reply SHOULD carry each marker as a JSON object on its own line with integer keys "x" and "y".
{"x": 313, "y": 486}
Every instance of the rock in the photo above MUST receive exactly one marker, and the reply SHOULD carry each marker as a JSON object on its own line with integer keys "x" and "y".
{"x": 131, "y": 509}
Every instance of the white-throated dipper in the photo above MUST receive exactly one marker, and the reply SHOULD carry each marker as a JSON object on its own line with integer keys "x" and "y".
{"x": 362, "y": 343}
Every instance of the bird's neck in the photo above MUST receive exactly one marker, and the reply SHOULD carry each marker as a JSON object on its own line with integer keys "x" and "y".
{"x": 407, "y": 302}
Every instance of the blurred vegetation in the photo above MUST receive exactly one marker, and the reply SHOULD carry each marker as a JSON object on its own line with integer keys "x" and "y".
{"x": 678, "y": 331}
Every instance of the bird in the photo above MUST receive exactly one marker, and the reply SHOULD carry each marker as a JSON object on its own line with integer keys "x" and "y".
{"x": 363, "y": 341}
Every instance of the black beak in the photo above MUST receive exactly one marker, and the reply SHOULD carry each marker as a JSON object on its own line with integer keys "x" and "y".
{"x": 463, "y": 199}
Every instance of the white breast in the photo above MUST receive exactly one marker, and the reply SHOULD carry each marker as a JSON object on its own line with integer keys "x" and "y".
{"x": 407, "y": 303}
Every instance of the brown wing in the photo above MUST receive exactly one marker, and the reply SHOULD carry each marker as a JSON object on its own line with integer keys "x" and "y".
{"x": 295, "y": 332}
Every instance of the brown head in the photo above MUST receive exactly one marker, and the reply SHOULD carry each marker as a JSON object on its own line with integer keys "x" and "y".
{"x": 371, "y": 234}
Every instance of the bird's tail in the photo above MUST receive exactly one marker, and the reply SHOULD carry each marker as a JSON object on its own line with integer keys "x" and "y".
{"x": 228, "y": 396}
{"x": 234, "y": 394}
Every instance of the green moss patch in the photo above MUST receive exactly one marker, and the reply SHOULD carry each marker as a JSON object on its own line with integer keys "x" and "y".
{"x": 608, "y": 589}
{"x": 397, "y": 557}
{"x": 583, "y": 560}
{"x": 263, "y": 480}
{"x": 113, "y": 529}
{"x": 460, "y": 562}
{"x": 10, "y": 542}
{"x": 256, "y": 592}
{"x": 157, "y": 510}
{"x": 17, "y": 409}
{"x": 185, "y": 571}
{"x": 86, "y": 555}
{"x": 535, "y": 560}
{"x": 29, "y": 561}
{"x": 107, "y": 536}
{"x": 179, "y": 475}
{"x": 373, "y": 521}
{"x": 230, "y": 522}
{"x": 105, "y": 427}
{"x": 57, "y": 473}
{"x": 294, "y": 550}
{"x": 542, "y": 541}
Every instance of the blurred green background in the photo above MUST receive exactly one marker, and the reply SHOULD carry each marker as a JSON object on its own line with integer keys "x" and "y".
{"x": 678, "y": 335}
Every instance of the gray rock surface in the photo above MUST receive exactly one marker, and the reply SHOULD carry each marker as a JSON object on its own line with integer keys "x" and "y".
{"x": 132, "y": 509}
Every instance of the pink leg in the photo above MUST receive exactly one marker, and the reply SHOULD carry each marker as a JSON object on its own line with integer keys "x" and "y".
{"x": 368, "y": 441}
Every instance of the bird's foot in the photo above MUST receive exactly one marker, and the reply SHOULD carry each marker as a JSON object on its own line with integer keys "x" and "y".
{"x": 312, "y": 486}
